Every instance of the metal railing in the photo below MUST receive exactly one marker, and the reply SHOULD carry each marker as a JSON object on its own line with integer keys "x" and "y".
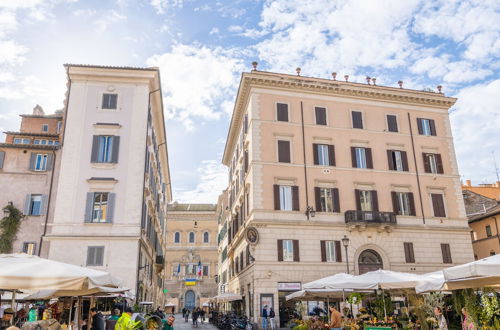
{"x": 374, "y": 217}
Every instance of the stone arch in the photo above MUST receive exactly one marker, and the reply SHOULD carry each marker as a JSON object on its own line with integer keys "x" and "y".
{"x": 385, "y": 260}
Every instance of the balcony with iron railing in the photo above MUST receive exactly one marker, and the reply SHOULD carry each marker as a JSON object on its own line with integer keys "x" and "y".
{"x": 370, "y": 217}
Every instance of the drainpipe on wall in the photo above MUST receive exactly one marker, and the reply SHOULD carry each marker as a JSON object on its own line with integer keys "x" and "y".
{"x": 416, "y": 170}
{"x": 304, "y": 152}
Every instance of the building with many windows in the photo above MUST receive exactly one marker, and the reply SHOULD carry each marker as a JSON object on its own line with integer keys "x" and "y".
{"x": 28, "y": 171}
{"x": 114, "y": 182}
{"x": 329, "y": 176}
{"x": 191, "y": 253}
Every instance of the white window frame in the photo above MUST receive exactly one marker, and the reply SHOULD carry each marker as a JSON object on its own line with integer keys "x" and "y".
{"x": 92, "y": 264}
{"x": 426, "y": 127}
{"x": 403, "y": 203}
{"x": 102, "y": 101}
{"x": 41, "y": 162}
{"x": 361, "y": 157}
{"x": 286, "y": 198}
{"x": 100, "y": 208}
{"x": 194, "y": 237}
{"x": 365, "y": 200}
{"x": 323, "y": 155}
{"x": 45, "y": 127}
{"x": 18, "y": 141}
{"x": 330, "y": 251}
{"x": 175, "y": 233}
{"x": 288, "y": 250}
{"x": 26, "y": 141}
{"x": 326, "y": 198}
{"x": 326, "y": 115}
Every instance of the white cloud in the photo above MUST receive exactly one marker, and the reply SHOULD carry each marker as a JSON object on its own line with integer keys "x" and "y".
{"x": 107, "y": 19}
{"x": 11, "y": 52}
{"x": 212, "y": 181}
{"x": 20, "y": 4}
{"x": 196, "y": 80}
{"x": 475, "y": 121}
{"x": 162, "y": 5}
{"x": 214, "y": 31}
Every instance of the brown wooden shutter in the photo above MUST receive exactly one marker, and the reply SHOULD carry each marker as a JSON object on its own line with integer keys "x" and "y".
{"x": 438, "y": 205}
{"x": 353, "y": 156}
{"x": 283, "y": 151}
{"x": 395, "y": 203}
{"x": 389, "y": 159}
{"x": 357, "y": 119}
{"x": 374, "y": 200}
{"x": 245, "y": 155}
{"x": 320, "y": 116}
{"x": 331, "y": 154}
{"x": 439, "y": 163}
{"x": 369, "y": 159}
{"x": 336, "y": 199}
{"x": 419, "y": 125}
{"x": 323, "y": 250}
{"x": 315, "y": 154}
{"x": 280, "y": 250}
{"x": 245, "y": 124}
{"x": 446, "y": 253}
{"x": 295, "y": 198}
{"x": 427, "y": 166}
{"x": 317, "y": 198}
{"x": 433, "y": 127}
{"x": 296, "y": 252}
{"x": 338, "y": 252}
{"x": 412, "y": 203}
{"x": 276, "y": 197}
{"x": 357, "y": 196}
{"x": 392, "y": 123}
{"x": 409, "y": 254}
{"x": 282, "y": 112}
{"x": 404, "y": 158}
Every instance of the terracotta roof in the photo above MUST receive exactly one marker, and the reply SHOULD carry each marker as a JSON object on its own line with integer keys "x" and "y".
{"x": 110, "y": 67}
{"x": 192, "y": 207}
{"x": 490, "y": 212}
{"x": 490, "y": 192}
{"x": 31, "y": 134}
{"x": 29, "y": 146}
{"x": 53, "y": 116}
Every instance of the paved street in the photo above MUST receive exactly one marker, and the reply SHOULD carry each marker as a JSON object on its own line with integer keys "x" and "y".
{"x": 180, "y": 324}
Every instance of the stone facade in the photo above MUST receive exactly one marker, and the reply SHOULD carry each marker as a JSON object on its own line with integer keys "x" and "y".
{"x": 374, "y": 185}
{"x": 29, "y": 163}
{"x": 485, "y": 232}
{"x": 191, "y": 254}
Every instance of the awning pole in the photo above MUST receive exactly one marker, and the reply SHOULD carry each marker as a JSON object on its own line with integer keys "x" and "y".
{"x": 70, "y": 310}
{"x": 328, "y": 308}
{"x": 383, "y": 300}
{"x": 12, "y": 304}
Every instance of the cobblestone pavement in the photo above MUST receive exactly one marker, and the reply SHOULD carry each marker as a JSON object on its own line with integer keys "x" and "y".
{"x": 180, "y": 324}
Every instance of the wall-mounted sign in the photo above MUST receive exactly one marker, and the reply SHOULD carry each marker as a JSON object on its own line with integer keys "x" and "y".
{"x": 289, "y": 286}
{"x": 252, "y": 235}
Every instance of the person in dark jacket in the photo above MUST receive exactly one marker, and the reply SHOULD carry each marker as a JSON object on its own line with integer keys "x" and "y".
{"x": 264, "y": 315}
{"x": 97, "y": 319}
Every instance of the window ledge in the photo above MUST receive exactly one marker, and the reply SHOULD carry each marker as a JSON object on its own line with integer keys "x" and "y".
{"x": 98, "y": 223}
{"x": 104, "y": 165}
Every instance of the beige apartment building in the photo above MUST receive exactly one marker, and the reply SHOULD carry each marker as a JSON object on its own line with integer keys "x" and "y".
{"x": 28, "y": 172}
{"x": 316, "y": 163}
{"x": 191, "y": 254}
{"x": 114, "y": 180}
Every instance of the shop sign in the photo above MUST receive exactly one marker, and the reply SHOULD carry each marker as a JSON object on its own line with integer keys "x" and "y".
{"x": 289, "y": 286}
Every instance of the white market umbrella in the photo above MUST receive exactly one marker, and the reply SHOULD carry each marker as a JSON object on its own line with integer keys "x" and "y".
{"x": 436, "y": 282}
{"x": 323, "y": 283}
{"x": 97, "y": 291}
{"x": 20, "y": 271}
{"x": 378, "y": 279}
{"x": 227, "y": 296}
{"x": 489, "y": 266}
{"x": 316, "y": 294}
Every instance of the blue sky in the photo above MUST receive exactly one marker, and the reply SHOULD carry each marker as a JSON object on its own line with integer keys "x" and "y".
{"x": 202, "y": 47}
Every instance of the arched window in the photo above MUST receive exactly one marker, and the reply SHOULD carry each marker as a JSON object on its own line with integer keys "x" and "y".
{"x": 206, "y": 237}
{"x": 369, "y": 260}
{"x": 177, "y": 237}
{"x": 191, "y": 237}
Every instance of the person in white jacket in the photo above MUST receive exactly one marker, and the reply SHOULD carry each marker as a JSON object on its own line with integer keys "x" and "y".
{"x": 440, "y": 318}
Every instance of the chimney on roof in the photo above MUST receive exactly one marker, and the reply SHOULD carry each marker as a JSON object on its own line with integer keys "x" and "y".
{"x": 468, "y": 183}
{"x": 38, "y": 110}
{"x": 298, "y": 71}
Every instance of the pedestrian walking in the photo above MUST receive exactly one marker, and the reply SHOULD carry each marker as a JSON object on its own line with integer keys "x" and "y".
{"x": 335, "y": 319}
{"x": 264, "y": 316}
{"x": 272, "y": 318}
{"x": 186, "y": 315}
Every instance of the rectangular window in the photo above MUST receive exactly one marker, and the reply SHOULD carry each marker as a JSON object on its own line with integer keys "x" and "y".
{"x": 438, "y": 205}
{"x": 433, "y": 163}
{"x": 109, "y": 101}
{"x": 409, "y": 253}
{"x": 105, "y": 149}
{"x": 282, "y": 112}
{"x": 41, "y": 162}
{"x": 323, "y": 158}
{"x": 330, "y": 251}
{"x": 205, "y": 270}
{"x": 488, "y": 231}
{"x": 326, "y": 200}
{"x": 392, "y": 123}
{"x": 26, "y": 141}
{"x": 446, "y": 252}
{"x": 59, "y": 126}
{"x": 18, "y": 141}
{"x": 320, "y": 115}
{"x": 35, "y": 207}
{"x": 29, "y": 248}
{"x": 95, "y": 255}
{"x": 287, "y": 250}
{"x": 361, "y": 158}
{"x": 2, "y": 158}
{"x": 403, "y": 203}
{"x": 357, "y": 119}
{"x": 397, "y": 160}
{"x": 365, "y": 197}
{"x": 285, "y": 198}
{"x": 45, "y": 128}
{"x": 284, "y": 151}
{"x": 100, "y": 207}
{"x": 426, "y": 127}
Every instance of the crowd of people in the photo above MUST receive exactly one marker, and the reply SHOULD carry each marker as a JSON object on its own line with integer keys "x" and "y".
{"x": 196, "y": 313}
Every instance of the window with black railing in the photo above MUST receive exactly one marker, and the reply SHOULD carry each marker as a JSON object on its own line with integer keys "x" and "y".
{"x": 370, "y": 217}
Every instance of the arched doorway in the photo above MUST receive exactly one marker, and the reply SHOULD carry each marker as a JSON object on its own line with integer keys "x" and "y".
{"x": 189, "y": 300}
{"x": 369, "y": 260}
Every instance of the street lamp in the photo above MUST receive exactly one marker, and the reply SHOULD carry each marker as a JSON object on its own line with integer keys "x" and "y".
{"x": 345, "y": 243}
{"x": 310, "y": 212}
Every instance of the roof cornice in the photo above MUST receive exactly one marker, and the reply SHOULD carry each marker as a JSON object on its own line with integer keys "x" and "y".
{"x": 319, "y": 86}
{"x": 29, "y": 146}
{"x": 45, "y": 135}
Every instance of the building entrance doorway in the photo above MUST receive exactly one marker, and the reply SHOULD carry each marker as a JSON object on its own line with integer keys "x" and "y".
{"x": 190, "y": 300}
{"x": 369, "y": 260}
